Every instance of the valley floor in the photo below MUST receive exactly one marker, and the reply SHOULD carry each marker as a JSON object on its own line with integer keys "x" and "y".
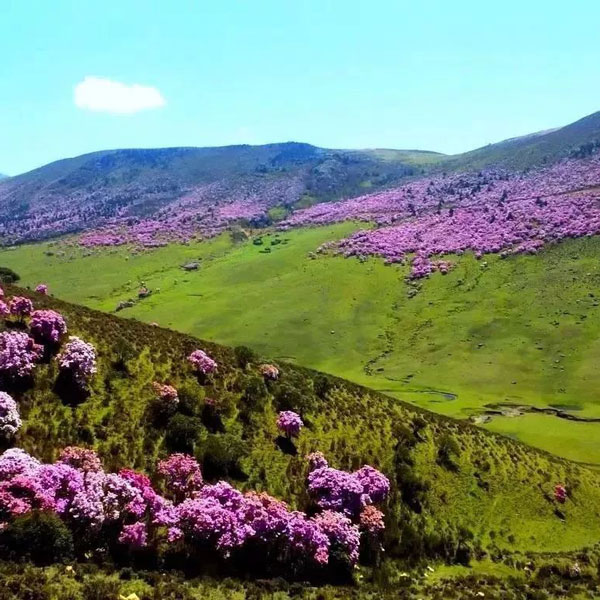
{"x": 495, "y": 340}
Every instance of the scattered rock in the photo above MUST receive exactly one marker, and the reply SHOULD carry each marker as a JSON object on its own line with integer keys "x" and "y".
{"x": 124, "y": 304}
{"x": 191, "y": 266}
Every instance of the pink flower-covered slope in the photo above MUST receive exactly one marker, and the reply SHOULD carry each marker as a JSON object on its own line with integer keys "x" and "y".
{"x": 484, "y": 212}
{"x": 203, "y": 212}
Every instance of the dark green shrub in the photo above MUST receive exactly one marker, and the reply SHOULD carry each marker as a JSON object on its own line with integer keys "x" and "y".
{"x": 448, "y": 452}
{"x": 182, "y": 433}
{"x": 222, "y": 454}
{"x": 38, "y": 536}
{"x": 244, "y": 356}
{"x": 8, "y": 275}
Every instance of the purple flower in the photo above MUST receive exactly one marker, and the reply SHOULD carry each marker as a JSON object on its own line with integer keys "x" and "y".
{"x": 375, "y": 485}
{"x": 47, "y": 326}
{"x": 289, "y": 423}
{"x": 182, "y": 475}
{"x": 202, "y": 362}
{"x": 20, "y": 306}
{"x": 134, "y": 536}
{"x": 79, "y": 359}
{"x": 18, "y": 353}
{"x": 10, "y": 420}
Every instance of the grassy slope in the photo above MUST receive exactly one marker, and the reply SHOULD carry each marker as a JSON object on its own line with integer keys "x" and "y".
{"x": 500, "y": 490}
{"x": 523, "y": 330}
{"x": 530, "y": 150}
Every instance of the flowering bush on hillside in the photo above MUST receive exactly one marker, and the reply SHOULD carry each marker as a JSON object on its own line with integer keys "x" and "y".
{"x": 20, "y": 307}
{"x": 560, "y": 493}
{"x": 42, "y": 288}
{"x": 166, "y": 395}
{"x": 18, "y": 354}
{"x": 269, "y": 372}
{"x": 182, "y": 475}
{"x": 47, "y": 326}
{"x": 316, "y": 460}
{"x": 78, "y": 358}
{"x": 214, "y": 517}
{"x": 347, "y": 493}
{"x": 4, "y": 310}
{"x": 202, "y": 362}
{"x": 289, "y": 423}
{"x": 10, "y": 420}
{"x": 83, "y": 459}
{"x": 484, "y": 212}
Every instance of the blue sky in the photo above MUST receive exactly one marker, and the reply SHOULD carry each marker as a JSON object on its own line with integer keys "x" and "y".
{"x": 439, "y": 75}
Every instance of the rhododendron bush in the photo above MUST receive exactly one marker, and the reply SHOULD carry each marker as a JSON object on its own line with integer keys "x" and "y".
{"x": 18, "y": 354}
{"x": 10, "y": 421}
{"x": 20, "y": 306}
{"x": 484, "y": 212}
{"x": 78, "y": 359}
{"x": 193, "y": 514}
{"x": 47, "y": 326}
{"x": 202, "y": 362}
{"x": 289, "y": 423}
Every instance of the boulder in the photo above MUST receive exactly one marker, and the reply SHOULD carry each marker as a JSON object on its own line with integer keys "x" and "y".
{"x": 191, "y": 266}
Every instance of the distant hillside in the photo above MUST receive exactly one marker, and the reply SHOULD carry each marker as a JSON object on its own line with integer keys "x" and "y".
{"x": 155, "y": 196}
{"x": 544, "y": 147}
{"x": 81, "y": 193}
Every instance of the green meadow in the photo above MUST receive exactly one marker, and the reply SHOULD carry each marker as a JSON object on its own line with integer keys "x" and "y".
{"x": 522, "y": 331}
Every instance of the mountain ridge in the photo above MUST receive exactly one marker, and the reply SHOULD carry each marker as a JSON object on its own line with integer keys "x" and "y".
{"x": 214, "y": 187}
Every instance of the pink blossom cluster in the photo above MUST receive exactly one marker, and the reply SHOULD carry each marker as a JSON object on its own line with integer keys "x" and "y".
{"x": 348, "y": 493}
{"x": 269, "y": 372}
{"x": 485, "y": 212}
{"x": 167, "y": 394}
{"x": 289, "y": 423}
{"x": 202, "y": 362}
{"x": 182, "y": 475}
{"x": 18, "y": 354}
{"x": 203, "y": 211}
{"x": 560, "y": 493}
{"x": 20, "y": 307}
{"x": 10, "y": 420}
{"x": 47, "y": 326}
{"x": 193, "y": 514}
{"x": 42, "y": 288}
{"x": 78, "y": 358}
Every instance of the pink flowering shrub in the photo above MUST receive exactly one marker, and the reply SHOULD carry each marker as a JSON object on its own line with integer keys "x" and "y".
{"x": 134, "y": 535}
{"x": 372, "y": 525}
{"x": 482, "y": 212}
{"x": 269, "y": 372}
{"x": 316, "y": 460}
{"x": 202, "y": 362}
{"x": 347, "y": 493}
{"x": 20, "y": 307}
{"x": 47, "y": 326}
{"x": 42, "y": 288}
{"x": 83, "y": 459}
{"x": 18, "y": 354}
{"x": 560, "y": 493}
{"x": 78, "y": 359}
{"x": 102, "y": 508}
{"x": 182, "y": 475}
{"x": 289, "y": 423}
{"x": 166, "y": 393}
{"x": 4, "y": 310}
{"x": 10, "y": 420}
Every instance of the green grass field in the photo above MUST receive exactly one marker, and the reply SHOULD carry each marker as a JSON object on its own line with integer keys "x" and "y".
{"x": 523, "y": 330}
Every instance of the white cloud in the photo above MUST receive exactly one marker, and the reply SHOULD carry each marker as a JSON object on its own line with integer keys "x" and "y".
{"x": 104, "y": 95}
